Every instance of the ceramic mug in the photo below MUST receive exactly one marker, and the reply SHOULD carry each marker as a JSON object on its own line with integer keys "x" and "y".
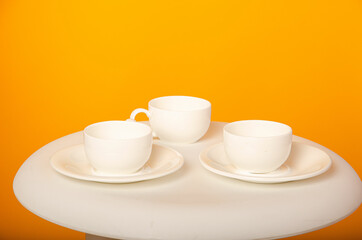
{"x": 178, "y": 119}
{"x": 117, "y": 147}
{"x": 257, "y": 146}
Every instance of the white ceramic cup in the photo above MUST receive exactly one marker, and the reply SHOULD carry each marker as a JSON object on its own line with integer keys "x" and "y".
{"x": 257, "y": 146}
{"x": 178, "y": 119}
{"x": 117, "y": 147}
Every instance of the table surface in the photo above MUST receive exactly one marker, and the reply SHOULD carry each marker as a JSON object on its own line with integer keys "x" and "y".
{"x": 192, "y": 203}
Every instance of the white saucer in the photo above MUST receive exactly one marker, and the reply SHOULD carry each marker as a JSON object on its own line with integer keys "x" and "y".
{"x": 305, "y": 161}
{"x": 72, "y": 162}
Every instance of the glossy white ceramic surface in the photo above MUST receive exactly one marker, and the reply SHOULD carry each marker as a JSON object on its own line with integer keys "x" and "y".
{"x": 192, "y": 203}
{"x": 73, "y": 162}
{"x": 304, "y": 162}
{"x": 257, "y": 146}
{"x": 178, "y": 119}
{"x": 117, "y": 147}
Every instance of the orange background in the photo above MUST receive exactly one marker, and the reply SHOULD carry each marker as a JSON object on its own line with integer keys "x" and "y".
{"x": 67, "y": 64}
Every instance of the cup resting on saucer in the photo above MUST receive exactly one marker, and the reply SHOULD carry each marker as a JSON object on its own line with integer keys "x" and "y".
{"x": 117, "y": 147}
{"x": 257, "y": 146}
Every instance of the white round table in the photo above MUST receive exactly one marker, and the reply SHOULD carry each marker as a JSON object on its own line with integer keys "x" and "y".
{"x": 191, "y": 203}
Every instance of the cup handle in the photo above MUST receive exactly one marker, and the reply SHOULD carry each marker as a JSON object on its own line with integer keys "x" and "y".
{"x": 137, "y": 111}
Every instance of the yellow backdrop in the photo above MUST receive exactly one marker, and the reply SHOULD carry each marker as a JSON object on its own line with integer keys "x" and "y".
{"x": 66, "y": 64}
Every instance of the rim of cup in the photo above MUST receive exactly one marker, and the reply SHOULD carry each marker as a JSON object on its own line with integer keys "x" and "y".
{"x": 274, "y": 129}
{"x": 93, "y": 132}
{"x": 202, "y": 103}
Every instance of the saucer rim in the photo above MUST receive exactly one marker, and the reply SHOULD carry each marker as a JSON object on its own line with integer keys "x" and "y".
{"x": 258, "y": 178}
{"x": 126, "y": 178}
